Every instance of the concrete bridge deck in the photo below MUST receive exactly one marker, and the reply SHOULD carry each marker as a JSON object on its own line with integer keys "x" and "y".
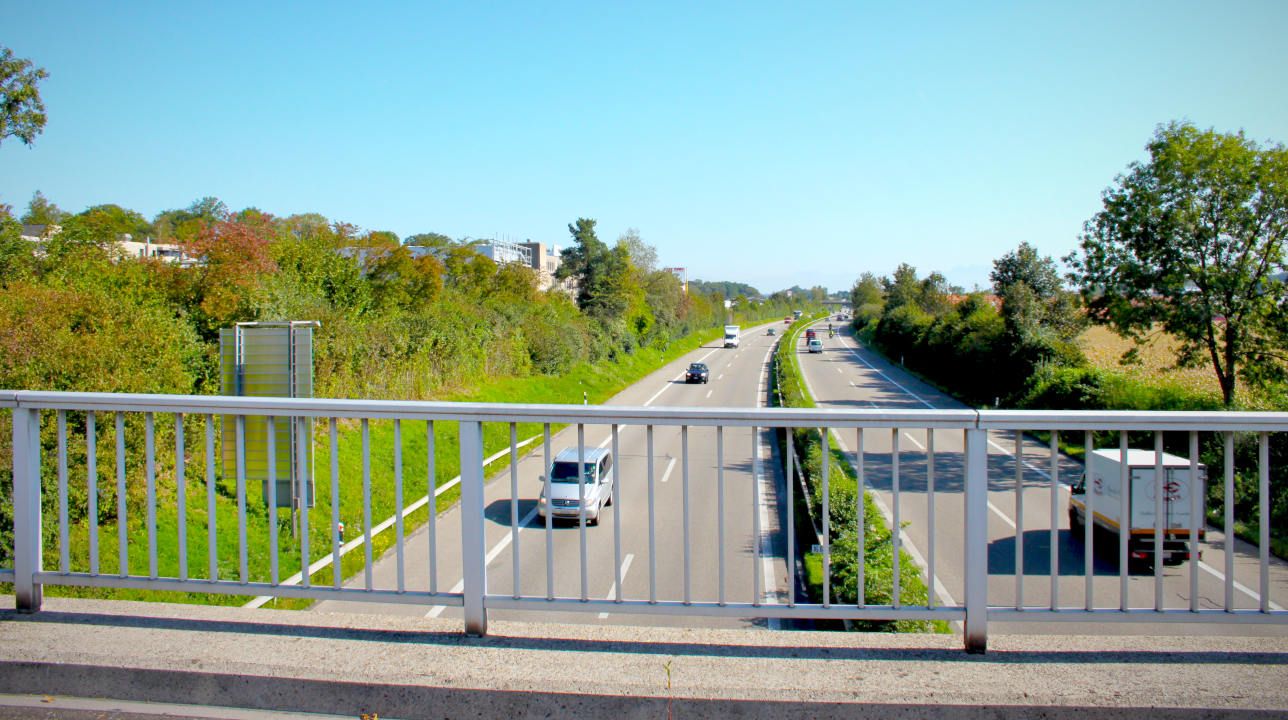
{"x": 400, "y": 667}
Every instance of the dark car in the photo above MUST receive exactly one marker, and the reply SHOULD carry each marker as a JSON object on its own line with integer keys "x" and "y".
{"x": 697, "y": 373}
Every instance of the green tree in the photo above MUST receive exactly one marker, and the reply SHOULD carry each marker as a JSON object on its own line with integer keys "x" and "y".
{"x": 22, "y": 113}
{"x": 1025, "y": 265}
{"x": 1190, "y": 239}
{"x": 597, "y": 271}
{"x": 42, "y": 212}
{"x": 867, "y": 290}
{"x": 1033, "y": 296}
{"x": 429, "y": 239}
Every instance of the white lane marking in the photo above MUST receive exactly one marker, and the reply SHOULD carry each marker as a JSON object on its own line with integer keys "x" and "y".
{"x": 1238, "y": 585}
{"x": 385, "y": 524}
{"x": 677, "y": 377}
{"x": 839, "y": 371}
{"x": 612, "y": 589}
{"x": 669, "y": 467}
{"x": 500, "y": 546}
{"x": 914, "y": 441}
{"x": 1026, "y": 462}
{"x": 767, "y": 563}
{"x": 871, "y": 367}
{"x": 720, "y": 376}
{"x": 708, "y": 393}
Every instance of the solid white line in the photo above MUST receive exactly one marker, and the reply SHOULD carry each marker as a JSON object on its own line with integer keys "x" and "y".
{"x": 496, "y": 550}
{"x": 612, "y": 589}
{"x": 1238, "y": 585}
{"x": 887, "y": 377}
{"x": 766, "y": 553}
{"x": 669, "y": 467}
{"x": 385, "y": 524}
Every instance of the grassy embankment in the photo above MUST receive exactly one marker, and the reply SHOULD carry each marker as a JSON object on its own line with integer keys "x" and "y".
{"x": 877, "y": 557}
{"x": 599, "y": 382}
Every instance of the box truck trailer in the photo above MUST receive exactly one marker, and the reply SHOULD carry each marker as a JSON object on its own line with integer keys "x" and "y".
{"x": 1101, "y": 487}
{"x": 731, "y": 336}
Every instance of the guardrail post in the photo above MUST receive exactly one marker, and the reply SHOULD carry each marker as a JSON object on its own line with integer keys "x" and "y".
{"x": 473, "y": 545}
{"x": 26, "y": 509}
{"x": 976, "y": 630}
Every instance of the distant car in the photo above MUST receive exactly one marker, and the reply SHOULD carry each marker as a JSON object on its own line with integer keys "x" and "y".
{"x": 810, "y": 334}
{"x": 788, "y": 320}
{"x": 772, "y": 332}
{"x": 594, "y": 484}
{"x": 816, "y": 345}
{"x": 697, "y": 373}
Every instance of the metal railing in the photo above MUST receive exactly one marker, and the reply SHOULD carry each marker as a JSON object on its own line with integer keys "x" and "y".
{"x": 727, "y": 573}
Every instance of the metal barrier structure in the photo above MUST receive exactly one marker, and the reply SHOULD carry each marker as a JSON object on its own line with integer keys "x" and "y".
{"x": 725, "y": 578}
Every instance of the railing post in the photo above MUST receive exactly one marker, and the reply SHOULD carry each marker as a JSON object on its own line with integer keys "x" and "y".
{"x": 26, "y": 509}
{"x": 976, "y": 630}
{"x": 473, "y": 546}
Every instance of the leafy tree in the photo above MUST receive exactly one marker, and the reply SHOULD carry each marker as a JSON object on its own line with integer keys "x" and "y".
{"x": 902, "y": 288}
{"x": 1033, "y": 298}
{"x": 429, "y": 239}
{"x": 643, "y": 256}
{"x": 1024, "y": 265}
{"x": 867, "y": 290}
{"x": 16, "y": 257}
{"x": 597, "y": 271}
{"x": 42, "y": 212}
{"x": 1190, "y": 239}
{"x": 22, "y": 113}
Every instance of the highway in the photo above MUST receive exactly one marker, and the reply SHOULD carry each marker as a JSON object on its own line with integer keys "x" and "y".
{"x": 738, "y": 379}
{"x": 847, "y": 375}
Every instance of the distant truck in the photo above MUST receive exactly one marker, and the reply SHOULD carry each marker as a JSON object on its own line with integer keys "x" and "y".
{"x": 731, "y": 335}
{"x": 1103, "y": 480}
{"x": 796, "y": 314}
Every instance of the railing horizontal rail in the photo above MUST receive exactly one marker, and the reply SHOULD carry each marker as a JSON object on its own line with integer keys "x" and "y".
{"x": 221, "y": 587}
{"x": 732, "y": 610}
{"x": 1134, "y": 615}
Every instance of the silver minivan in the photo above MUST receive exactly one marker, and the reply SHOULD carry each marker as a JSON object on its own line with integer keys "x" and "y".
{"x": 564, "y": 485}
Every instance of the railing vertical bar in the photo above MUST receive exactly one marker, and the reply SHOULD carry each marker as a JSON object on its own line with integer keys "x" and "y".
{"x": 28, "y": 550}
{"x": 826, "y": 458}
{"x": 64, "y": 539}
{"x": 1159, "y": 515}
{"x": 861, "y": 515}
{"x": 212, "y": 529}
{"x": 684, "y": 504}
{"x": 473, "y": 532}
{"x": 304, "y": 454}
{"x": 1089, "y": 523}
{"x": 896, "y": 524}
{"x": 550, "y": 543}
{"x": 1228, "y": 530}
{"x": 243, "y": 558}
{"x": 1198, "y": 491}
{"x": 791, "y": 518}
{"x": 1263, "y": 462}
{"x": 181, "y": 493}
{"x": 975, "y": 629}
{"x": 720, "y": 513}
{"x": 930, "y": 517}
{"x": 400, "y": 554}
{"x": 431, "y": 491}
{"x": 652, "y": 520}
{"x": 514, "y": 509}
{"x": 270, "y": 492}
{"x": 1054, "y": 561}
{"x": 91, "y": 475}
{"x": 150, "y": 480}
{"x": 122, "y": 517}
{"x": 1124, "y": 517}
{"x": 366, "y": 504}
{"x": 336, "y": 536}
{"x": 1019, "y": 520}
{"x": 616, "y": 494}
{"x": 757, "y": 581}
{"x": 581, "y": 511}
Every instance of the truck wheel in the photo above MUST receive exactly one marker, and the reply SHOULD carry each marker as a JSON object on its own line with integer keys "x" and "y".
{"x": 1076, "y": 526}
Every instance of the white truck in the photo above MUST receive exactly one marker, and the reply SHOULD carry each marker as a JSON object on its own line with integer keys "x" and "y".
{"x": 731, "y": 335}
{"x": 1101, "y": 487}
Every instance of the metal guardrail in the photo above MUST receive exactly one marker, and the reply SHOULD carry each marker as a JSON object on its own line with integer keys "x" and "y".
{"x": 85, "y": 420}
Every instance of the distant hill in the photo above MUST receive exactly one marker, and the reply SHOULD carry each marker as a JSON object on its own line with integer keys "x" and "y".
{"x": 724, "y": 288}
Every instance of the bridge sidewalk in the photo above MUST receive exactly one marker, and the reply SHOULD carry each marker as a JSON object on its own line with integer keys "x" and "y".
{"x": 409, "y": 667}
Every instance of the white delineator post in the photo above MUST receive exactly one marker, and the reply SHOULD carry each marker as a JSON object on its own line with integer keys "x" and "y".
{"x": 473, "y": 552}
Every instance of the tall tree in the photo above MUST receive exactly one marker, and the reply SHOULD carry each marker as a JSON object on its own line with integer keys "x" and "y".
{"x": 597, "y": 271}
{"x": 643, "y": 255}
{"x": 22, "y": 113}
{"x": 1025, "y": 265}
{"x": 42, "y": 212}
{"x": 1190, "y": 239}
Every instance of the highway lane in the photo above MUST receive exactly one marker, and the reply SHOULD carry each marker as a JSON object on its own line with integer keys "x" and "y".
{"x": 847, "y": 375}
{"x": 737, "y": 380}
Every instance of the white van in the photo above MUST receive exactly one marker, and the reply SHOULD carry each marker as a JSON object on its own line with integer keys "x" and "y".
{"x": 594, "y": 484}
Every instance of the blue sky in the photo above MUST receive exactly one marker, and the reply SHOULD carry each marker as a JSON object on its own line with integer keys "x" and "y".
{"x": 776, "y": 144}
